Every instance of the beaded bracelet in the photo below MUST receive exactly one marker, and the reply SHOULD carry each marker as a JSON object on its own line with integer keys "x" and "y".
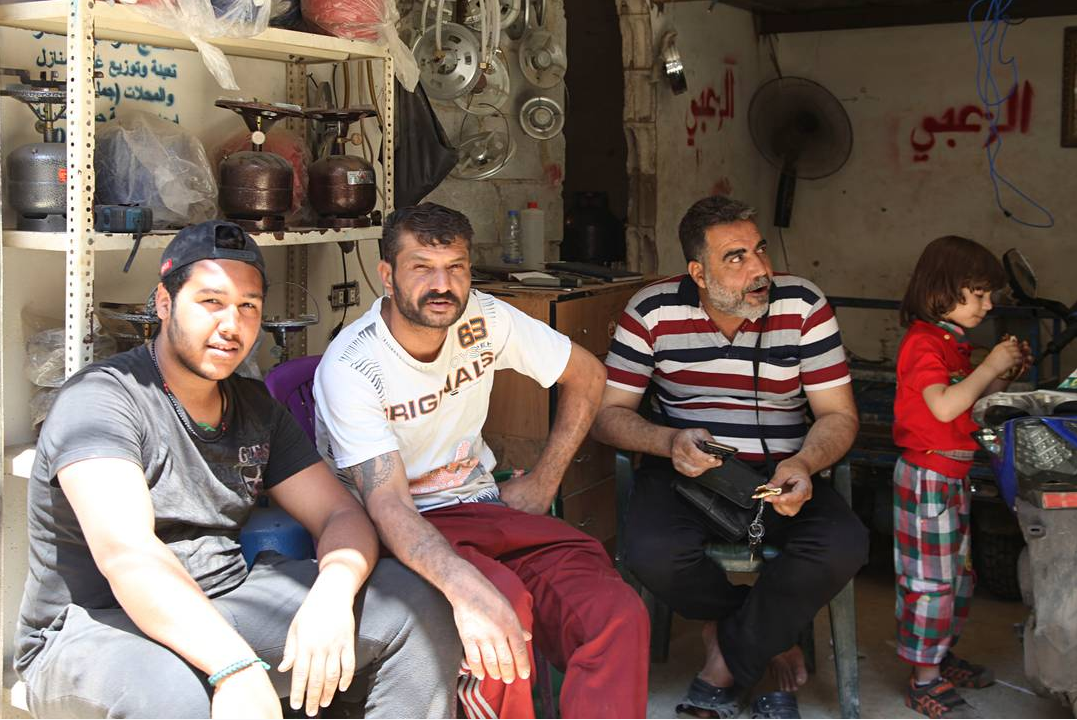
{"x": 235, "y": 667}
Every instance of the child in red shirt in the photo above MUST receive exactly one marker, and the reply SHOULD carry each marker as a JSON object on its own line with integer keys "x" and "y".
{"x": 949, "y": 293}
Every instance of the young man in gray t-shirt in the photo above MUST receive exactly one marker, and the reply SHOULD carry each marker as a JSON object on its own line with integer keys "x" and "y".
{"x": 138, "y": 601}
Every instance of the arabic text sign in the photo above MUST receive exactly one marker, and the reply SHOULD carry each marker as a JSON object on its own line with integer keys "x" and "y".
{"x": 710, "y": 107}
{"x": 972, "y": 119}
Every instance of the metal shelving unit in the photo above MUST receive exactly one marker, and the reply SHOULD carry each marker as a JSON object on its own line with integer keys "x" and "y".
{"x": 83, "y": 21}
{"x": 158, "y": 239}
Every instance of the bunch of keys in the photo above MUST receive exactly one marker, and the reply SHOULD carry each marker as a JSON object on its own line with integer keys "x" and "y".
{"x": 766, "y": 491}
{"x": 755, "y": 529}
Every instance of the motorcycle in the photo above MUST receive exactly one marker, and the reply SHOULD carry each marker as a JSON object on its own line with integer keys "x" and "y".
{"x": 1031, "y": 438}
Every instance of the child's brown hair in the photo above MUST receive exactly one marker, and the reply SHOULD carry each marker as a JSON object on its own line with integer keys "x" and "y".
{"x": 946, "y": 265}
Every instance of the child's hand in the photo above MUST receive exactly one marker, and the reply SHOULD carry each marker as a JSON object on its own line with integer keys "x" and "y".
{"x": 1026, "y": 361}
{"x": 1005, "y": 357}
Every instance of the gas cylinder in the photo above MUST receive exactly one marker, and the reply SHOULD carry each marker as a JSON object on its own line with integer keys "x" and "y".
{"x": 342, "y": 188}
{"x": 255, "y": 190}
{"x": 37, "y": 172}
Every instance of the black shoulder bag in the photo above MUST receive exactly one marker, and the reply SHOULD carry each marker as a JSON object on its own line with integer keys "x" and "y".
{"x": 724, "y": 493}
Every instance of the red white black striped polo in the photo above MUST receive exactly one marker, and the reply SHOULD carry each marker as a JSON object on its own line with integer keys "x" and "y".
{"x": 702, "y": 379}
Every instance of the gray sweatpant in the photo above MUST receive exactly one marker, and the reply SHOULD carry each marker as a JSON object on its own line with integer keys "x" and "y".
{"x": 96, "y": 663}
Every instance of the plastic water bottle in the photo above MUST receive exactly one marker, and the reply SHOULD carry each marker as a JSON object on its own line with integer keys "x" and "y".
{"x": 511, "y": 249}
{"x": 533, "y": 232}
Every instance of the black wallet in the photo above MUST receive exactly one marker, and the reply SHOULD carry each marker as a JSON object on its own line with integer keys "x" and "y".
{"x": 724, "y": 494}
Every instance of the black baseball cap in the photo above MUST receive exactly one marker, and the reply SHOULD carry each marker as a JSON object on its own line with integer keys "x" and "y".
{"x": 211, "y": 240}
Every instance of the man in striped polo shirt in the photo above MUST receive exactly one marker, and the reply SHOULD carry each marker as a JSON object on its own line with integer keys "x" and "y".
{"x": 693, "y": 339}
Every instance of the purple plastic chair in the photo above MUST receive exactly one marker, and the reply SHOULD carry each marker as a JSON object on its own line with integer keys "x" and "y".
{"x": 271, "y": 528}
{"x": 292, "y": 384}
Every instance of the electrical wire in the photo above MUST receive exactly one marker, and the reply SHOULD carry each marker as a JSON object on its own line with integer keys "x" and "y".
{"x": 347, "y": 85}
{"x": 989, "y": 43}
{"x": 344, "y": 263}
{"x": 373, "y": 95}
{"x": 362, "y": 267}
{"x": 781, "y": 241}
{"x": 333, "y": 83}
{"x": 774, "y": 55}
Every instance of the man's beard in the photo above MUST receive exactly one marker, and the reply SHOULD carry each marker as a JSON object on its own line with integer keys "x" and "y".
{"x": 414, "y": 311}
{"x": 735, "y": 303}
{"x": 183, "y": 349}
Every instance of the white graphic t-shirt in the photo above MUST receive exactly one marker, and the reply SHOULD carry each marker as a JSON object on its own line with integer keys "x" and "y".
{"x": 372, "y": 397}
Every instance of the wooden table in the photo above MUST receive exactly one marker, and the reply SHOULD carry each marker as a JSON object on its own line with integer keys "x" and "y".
{"x": 521, "y": 412}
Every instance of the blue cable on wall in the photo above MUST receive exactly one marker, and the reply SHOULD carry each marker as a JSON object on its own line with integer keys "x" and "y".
{"x": 989, "y": 45}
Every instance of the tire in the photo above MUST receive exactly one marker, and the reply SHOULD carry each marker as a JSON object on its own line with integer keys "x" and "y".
{"x": 994, "y": 556}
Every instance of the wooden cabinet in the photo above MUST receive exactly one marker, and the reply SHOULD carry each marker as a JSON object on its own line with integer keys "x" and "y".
{"x": 521, "y": 411}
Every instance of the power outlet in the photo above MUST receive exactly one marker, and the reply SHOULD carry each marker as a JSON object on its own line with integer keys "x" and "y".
{"x": 344, "y": 295}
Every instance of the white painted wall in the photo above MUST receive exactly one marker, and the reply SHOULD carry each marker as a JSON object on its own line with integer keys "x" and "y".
{"x": 860, "y": 231}
{"x": 712, "y": 45}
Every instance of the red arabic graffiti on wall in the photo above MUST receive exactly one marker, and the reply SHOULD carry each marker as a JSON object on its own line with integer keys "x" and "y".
{"x": 967, "y": 119}
{"x": 711, "y": 107}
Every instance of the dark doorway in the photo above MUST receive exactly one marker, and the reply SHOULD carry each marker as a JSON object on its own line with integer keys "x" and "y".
{"x": 595, "y": 150}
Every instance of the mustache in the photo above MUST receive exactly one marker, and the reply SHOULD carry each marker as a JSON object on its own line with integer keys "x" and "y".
{"x": 430, "y": 296}
{"x": 759, "y": 284}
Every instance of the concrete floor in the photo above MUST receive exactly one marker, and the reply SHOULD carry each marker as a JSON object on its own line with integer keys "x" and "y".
{"x": 989, "y": 639}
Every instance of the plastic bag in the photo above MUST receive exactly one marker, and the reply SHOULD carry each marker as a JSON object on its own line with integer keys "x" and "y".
{"x": 369, "y": 20}
{"x": 423, "y": 156}
{"x": 45, "y": 355}
{"x": 202, "y": 19}
{"x": 144, "y": 160}
{"x": 287, "y": 14}
{"x": 283, "y": 142}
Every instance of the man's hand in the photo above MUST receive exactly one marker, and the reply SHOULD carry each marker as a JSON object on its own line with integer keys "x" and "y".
{"x": 687, "y": 458}
{"x": 794, "y": 478}
{"x": 495, "y": 643}
{"x": 246, "y": 694}
{"x": 530, "y": 493}
{"x": 320, "y": 649}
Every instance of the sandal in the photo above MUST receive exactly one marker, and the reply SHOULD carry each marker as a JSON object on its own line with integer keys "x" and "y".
{"x": 707, "y": 701}
{"x": 777, "y": 704}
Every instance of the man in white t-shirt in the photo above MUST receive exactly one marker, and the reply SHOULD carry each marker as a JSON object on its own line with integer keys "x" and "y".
{"x": 402, "y": 395}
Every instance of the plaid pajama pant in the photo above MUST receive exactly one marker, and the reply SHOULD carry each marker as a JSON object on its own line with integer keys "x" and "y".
{"x": 931, "y": 561}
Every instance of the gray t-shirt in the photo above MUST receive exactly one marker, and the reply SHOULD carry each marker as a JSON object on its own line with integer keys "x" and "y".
{"x": 202, "y": 492}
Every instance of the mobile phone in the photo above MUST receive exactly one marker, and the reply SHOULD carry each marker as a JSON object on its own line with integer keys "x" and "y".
{"x": 717, "y": 449}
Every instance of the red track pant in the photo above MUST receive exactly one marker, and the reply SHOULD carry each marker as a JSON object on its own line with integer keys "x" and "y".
{"x": 583, "y": 617}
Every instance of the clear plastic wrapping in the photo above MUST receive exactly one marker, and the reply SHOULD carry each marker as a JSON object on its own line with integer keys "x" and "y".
{"x": 286, "y": 14}
{"x": 144, "y": 160}
{"x": 369, "y": 20}
{"x": 45, "y": 355}
{"x": 202, "y": 20}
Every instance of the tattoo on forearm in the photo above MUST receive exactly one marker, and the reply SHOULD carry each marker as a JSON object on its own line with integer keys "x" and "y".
{"x": 368, "y": 476}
